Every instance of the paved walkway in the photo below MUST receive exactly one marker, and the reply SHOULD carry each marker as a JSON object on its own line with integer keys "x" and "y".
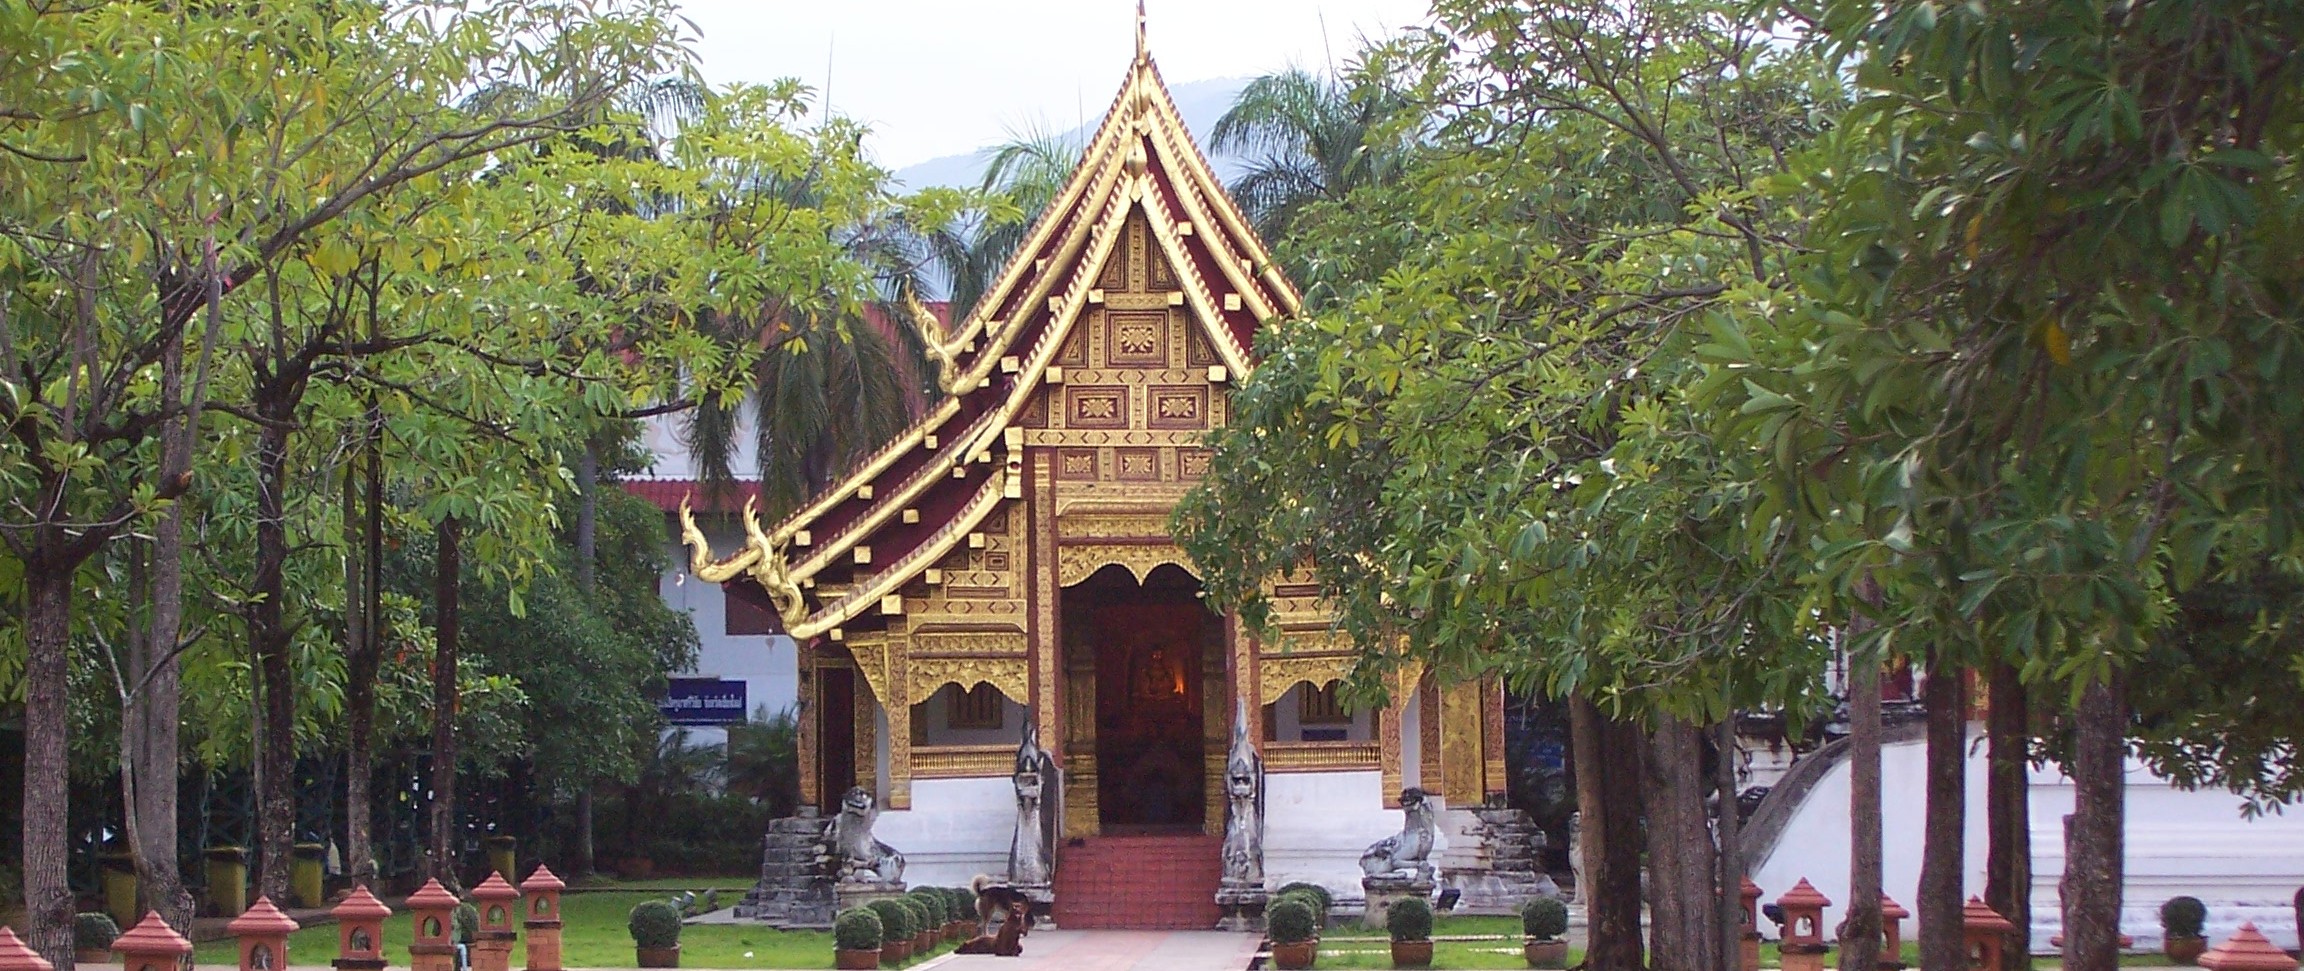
{"x": 1061, "y": 950}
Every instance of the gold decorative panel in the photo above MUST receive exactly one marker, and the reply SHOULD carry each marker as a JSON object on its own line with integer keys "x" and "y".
{"x": 1076, "y": 463}
{"x": 1077, "y": 563}
{"x": 1178, "y": 407}
{"x": 963, "y": 761}
{"x": 1009, "y": 675}
{"x": 1192, "y": 463}
{"x": 1320, "y": 756}
{"x": 972, "y": 642}
{"x": 1136, "y": 338}
{"x": 1096, "y": 407}
{"x": 1276, "y": 673}
{"x": 1136, "y": 464}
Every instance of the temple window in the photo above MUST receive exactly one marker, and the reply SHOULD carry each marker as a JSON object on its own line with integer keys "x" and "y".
{"x": 980, "y": 715}
{"x": 1309, "y": 713}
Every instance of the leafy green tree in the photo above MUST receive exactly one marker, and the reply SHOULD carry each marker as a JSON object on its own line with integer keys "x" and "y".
{"x": 1488, "y": 449}
{"x": 2041, "y": 391}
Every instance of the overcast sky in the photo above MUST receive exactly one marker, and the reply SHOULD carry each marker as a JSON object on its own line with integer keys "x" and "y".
{"x": 941, "y": 78}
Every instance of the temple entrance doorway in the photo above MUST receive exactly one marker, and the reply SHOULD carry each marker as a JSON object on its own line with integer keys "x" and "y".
{"x": 1153, "y": 648}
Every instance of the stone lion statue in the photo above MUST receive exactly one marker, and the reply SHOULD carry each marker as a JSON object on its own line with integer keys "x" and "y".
{"x": 1409, "y": 852}
{"x": 856, "y": 856}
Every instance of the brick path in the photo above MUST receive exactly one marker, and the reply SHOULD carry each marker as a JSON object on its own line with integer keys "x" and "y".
{"x": 1061, "y": 950}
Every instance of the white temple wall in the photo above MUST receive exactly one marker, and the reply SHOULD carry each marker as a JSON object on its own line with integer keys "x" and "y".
{"x": 1317, "y": 823}
{"x": 956, "y": 829}
{"x": 2178, "y": 842}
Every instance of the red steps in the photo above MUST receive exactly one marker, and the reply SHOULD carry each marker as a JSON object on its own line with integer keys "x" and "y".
{"x": 1139, "y": 882}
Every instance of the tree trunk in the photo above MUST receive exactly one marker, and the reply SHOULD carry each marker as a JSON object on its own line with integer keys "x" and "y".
{"x": 362, "y": 656}
{"x": 1941, "y": 848}
{"x": 1860, "y": 926}
{"x": 1728, "y": 907}
{"x": 2008, "y": 812}
{"x": 2093, "y": 868}
{"x": 440, "y": 860}
{"x": 47, "y": 635}
{"x": 268, "y": 631}
{"x": 587, "y": 531}
{"x": 1608, "y": 801}
{"x": 153, "y": 709}
{"x": 1682, "y": 928}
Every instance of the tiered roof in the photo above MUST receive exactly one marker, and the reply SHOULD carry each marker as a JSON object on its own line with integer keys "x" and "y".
{"x": 842, "y": 558}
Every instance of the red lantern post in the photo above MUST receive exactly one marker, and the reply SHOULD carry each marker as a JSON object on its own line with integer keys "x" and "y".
{"x": 360, "y": 931}
{"x": 543, "y": 921}
{"x": 1985, "y": 934}
{"x": 1892, "y": 916}
{"x": 15, "y": 955}
{"x": 1803, "y": 947}
{"x": 434, "y": 948}
{"x": 263, "y": 934}
{"x": 151, "y": 945}
{"x": 1748, "y": 948}
{"x": 492, "y": 949}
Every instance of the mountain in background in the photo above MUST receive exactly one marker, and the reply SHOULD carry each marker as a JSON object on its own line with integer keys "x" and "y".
{"x": 1200, "y": 102}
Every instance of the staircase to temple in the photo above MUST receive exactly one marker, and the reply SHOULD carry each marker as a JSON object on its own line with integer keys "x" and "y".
{"x": 1492, "y": 856}
{"x": 1139, "y": 882}
{"x": 793, "y": 890}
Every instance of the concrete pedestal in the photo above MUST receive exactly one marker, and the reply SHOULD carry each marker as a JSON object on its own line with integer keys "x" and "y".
{"x": 1382, "y": 891}
{"x": 432, "y": 957}
{"x": 492, "y": 951}
{"x": 543, "y": 945}
{"x": 848, "y": 895}
{"x": 1243, "y": 906}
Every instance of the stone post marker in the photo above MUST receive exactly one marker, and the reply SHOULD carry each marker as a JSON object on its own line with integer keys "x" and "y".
{"x": 360, "y": 931}
{"x": 15, "y": 955}
{"x": 1803, "y": 947}
{"x": 1892, "y": 916}
{"x": 2245, "y": 950}
{"x": 543, "y": 921}
{"x": 263, "y": 934}
{"x": 151, "y": 945}
{"x": 434, "y": 948}
{"x": 1748, "y": 943}
{"x": 1985, "y": 933}
{"x": 497, "y": 900}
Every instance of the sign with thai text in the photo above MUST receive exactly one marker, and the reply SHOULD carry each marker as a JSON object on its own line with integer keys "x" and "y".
{"x": 703, "y": 701}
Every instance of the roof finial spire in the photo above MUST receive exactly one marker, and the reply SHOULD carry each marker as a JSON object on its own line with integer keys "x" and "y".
{"x": 1141, "y": 56}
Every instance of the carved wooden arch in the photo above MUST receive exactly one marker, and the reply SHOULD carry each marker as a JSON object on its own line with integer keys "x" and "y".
{"x": 1008, "y": 675}
{"x": 1075, "y": 564}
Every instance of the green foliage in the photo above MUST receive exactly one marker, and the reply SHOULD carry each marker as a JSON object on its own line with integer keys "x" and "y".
{"x": 467, "y": 923}
{"x": 1486, "y": 446}
{"x": 1311, "y": 896}
{"x": 1289, "y": 920}
{"x": 1544, "y": 918}
{"x": 1318, "y": 892}
{"x": 934, "y": 905}
{"x": 2183, "y": 916}
{"x": 1409, "y": 919}
{"x": 856, "y": 929}
{"x": 654, "y": 923}
{"x": 764, "y": 760}
{"x": 895, "y": 918}
{"x": 94, "y": 931}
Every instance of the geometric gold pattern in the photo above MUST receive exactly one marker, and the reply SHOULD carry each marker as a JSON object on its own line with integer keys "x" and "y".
{"x": 1011, "y": 676}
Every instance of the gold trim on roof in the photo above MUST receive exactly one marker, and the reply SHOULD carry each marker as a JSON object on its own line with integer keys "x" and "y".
{"x": 1079, "y": 562}
{"x": 867, "y": 594}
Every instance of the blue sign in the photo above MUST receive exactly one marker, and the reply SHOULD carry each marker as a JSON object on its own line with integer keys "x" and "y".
{"x": 703, "y": 701}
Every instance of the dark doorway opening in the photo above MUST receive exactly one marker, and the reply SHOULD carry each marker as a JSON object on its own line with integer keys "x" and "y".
{"x": 1153, "y": 642}
{"x": 836, "y": 735}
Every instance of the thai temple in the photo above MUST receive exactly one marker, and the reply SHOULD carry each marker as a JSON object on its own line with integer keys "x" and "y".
{"x": 1006, "y": 564}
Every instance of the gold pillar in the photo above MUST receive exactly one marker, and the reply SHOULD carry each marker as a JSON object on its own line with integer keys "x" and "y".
{"x": 1461, "y": 738}
{"x": 1492, "y": 739}
{"x": 867, "y": 707}
{"x": 1082, "y": 815}
{"x": 1429, "y": 773}
{"x": 1216, "y": 732}
{"x": 811, "y": 708}
{"x": 899, "y": 707}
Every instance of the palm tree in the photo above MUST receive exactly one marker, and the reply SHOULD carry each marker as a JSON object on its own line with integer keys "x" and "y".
{"x": 1026, "y": 173}
{"x": 1309, "y": 138}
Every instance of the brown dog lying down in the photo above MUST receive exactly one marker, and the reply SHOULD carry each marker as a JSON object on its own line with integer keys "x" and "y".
{"x": 1008, "y": 942}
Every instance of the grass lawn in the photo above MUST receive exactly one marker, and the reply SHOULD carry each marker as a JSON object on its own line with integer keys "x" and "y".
{"x": 593, "y": 936}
